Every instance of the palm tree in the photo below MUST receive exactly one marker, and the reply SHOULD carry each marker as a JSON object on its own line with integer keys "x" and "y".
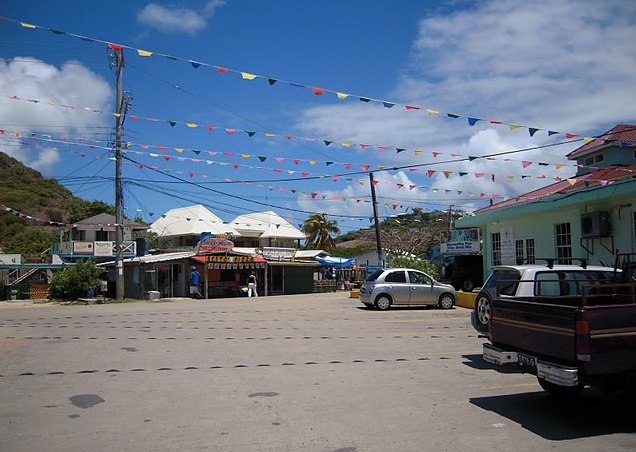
{"x": 318, "y": 230}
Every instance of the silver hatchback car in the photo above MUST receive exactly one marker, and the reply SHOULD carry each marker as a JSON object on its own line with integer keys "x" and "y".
{"x": 405, "y": 286}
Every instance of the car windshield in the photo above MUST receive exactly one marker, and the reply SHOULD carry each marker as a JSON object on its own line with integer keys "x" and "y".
{"x": 373, "y": 276}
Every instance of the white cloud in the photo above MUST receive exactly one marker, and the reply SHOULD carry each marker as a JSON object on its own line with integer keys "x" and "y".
{"x": 546, "y": 64}
{"x": 177, "y": 19}
{"x": 71, "y": 84}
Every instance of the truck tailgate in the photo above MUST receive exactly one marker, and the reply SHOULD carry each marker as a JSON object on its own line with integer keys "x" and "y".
{"x": 613, "y": 338}
{"x": 547, "y": 330}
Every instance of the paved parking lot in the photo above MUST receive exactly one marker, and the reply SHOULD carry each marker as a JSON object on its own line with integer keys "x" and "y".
{"x": 312, "y": 372}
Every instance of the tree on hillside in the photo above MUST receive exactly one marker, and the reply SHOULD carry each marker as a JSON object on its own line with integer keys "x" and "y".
{"x": 85, "y": 209}
{"x": 318, "y": 229}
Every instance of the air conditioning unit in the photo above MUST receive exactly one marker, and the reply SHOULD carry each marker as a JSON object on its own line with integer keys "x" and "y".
{"x": 596, "y": 224}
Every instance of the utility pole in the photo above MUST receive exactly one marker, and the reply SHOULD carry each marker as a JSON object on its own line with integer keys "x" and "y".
{"x": 378, "y": 243}
{"x": 119, "y": 210}
{"x": 450, "y": 219}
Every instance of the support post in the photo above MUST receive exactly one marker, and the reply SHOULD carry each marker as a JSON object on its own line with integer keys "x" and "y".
{"x": 378, "y": 243}
{"x": 119, "y": 211}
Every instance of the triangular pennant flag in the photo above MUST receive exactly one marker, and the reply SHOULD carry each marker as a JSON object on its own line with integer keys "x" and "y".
{"x": 347, "y": 165}
{"x": 411, "y": 107}
{"x": 453, "y": 115}
{"x": 526, "y": 163}
{"x": 247, "y": 76}
{"x": 432, "y": 112}
{"x": 179, "y": 150}
{"x": 471, "y": 158}
{"x": 552, "y": 132}
{"x": 532, "y": 131}
{"x": 417, "y": 152}
{"x": 312, "y": 162}
{"x": 375, "y": 182}
{"x": 569, "y": 136}
{"x": 327, "y": 142}
{"x": 192, "y": 125}
{"x": 250, "y": 134}
{"x": 399, "y": 185}
{"x": 328, "y": 163}
{"x": 143, "y": 53}
{"x": 230, "y": 131}
{"x": 364, "y": 99}
{"x": 364, "y": 167}
{"x": 261, "y": 158}
{"x": 411, "y": 187}
{"x": 430, "y": 172}
{"x": 478, "y": 175}
{"x": 447, "y": 174}
{"x": 572, "y": 181}
{"x": 342, "y": 96}
{"x": 195, "y": 64}
{"x": 435, "y": 154}
{"x": 400, "y": 150}
{"x": 314, "y": 194}
{"x": 317, "y": 91}
{"x": 472, "y": 121}
{"x": 271, "y": 81}
{"x": 513, "y": 127}
{"x": 172, "y": 123}
{"x": 559, "y": 165}
{"x": 245, "y": 156}
{"x": 196, "y": 152}
{"x": 462, "y": 174}
{"x": 388, "y": 104}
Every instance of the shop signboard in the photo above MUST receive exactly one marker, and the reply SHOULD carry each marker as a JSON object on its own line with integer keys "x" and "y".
{"x": 82, "y": 247}
{"x": 209, "y": 244}
{"x": 278, "y": 254}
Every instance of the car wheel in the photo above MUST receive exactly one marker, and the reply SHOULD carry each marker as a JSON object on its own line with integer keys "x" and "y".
{"x": 482, "y": 311}
{"x": 383, "y": 302}
{"x": 468, "y": 285}
{"x": 559, "y": 391}
{"x": 446, "y": 301}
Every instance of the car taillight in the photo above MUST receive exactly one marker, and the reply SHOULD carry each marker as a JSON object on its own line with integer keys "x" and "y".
{"x": 582, "y": 339}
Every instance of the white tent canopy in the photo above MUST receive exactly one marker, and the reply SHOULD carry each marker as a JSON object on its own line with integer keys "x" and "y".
{"x": 265, "y": 225}
{"x": 192, "y": 220}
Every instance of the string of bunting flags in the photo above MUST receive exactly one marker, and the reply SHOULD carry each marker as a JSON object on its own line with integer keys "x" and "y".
{"x": 429, "y": 173}
{"x": 326, "y": 142}
{"x": 318, "y": 91}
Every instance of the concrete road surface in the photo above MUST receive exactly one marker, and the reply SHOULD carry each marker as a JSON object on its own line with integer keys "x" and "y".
{"x": 310, "y": 372}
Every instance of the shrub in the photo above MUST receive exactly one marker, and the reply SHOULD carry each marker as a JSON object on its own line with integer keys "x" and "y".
{"x": 75, "y": 282}
{"x": 418, "y": 264}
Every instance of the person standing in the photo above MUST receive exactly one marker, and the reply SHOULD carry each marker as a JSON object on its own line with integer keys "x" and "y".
{"x": 195, "y": 278}
{"x": 251, "y": 285}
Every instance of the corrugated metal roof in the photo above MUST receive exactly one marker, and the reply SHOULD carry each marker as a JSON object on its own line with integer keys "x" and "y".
{"x": 619, "y": 133}
{"x": 601, "y": 177}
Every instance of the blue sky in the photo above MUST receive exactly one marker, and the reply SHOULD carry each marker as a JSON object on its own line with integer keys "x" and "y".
{"x": 563, "y": 66}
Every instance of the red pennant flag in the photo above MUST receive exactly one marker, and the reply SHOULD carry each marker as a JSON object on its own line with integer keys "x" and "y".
{"x": 569, "y": 135}
{"x": 347, "y": 165}
{"x": 526, "y": 163}
{"x": 167, "y": 157}
{"x": 314, "y": 194}
{"x": 230, "y": 131}
{"x": 115, "y": 47}
{"x": 279, "y": 159}
{"x": 435, "y": 154}
{"x": 495, "y": 121}
{"x": 478, "y": 175}
{"x": 222, "y": 70}
{"x": 400, "y": 185}
{"x": 145, "y": 146}
{"x": 318, "y": 91}
{"x": 364, "y": 146}
{"x": 211, "y": 128}
{"x": 411, "y": 107}
{"x": 236, "y": 166}
{"x": 296, "y": 161}
{"x": 335, "y": 178}
{"x": 304, "y": 174}
{"x": 161, "y": 148}
{"x": 482, "y": 194}
{"x": 191, "y": 174}
{"x": 375, "y": 182}
{"x": 142, "y": 165}
{"x": 364, "y": 167}
{"x": 212, "y": 153}
{"x": 154, "y": 168}
{"x": 430, "y": 172}
{"x": 228, "y": 154}
{"x": 133, "y": 117}
{"x": 278, "y": 170}
{"x": 394, "y": 206}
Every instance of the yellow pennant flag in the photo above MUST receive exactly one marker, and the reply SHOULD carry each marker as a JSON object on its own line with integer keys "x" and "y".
{"x": 25, "y": 25}
{"x": 432, "y": 112}
{"x": 117, "y": 115}
{"x": 248, "y": 76}
{"x": 559, "y": 165}
{"x": 509, "y": 176}
{"x": 588, "y": 139}
{"x": 417, "y": 151}
{"x": 346, "y": 144}
{"x": 245, "y": 156}
{"x": 514, "y": 127}
{"x": 447, "y": 174}
{"x": 143, "y": 53}
{"x": 572, "y": 181}
{"x": 179, "y": 150}
{"x": 381, "y": 167}
{"x": 192, "y": 125}
{"x": 342, "y": 96}
{"x": 312, "y": 162}
{"x": 490, "y": 158}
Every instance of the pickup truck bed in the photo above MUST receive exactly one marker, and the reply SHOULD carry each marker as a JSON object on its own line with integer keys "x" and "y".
{"x": 568, "y": 341}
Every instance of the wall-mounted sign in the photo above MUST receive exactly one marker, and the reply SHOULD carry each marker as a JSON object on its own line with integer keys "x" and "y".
{"x": 462, "y": 241}
{"x": 229, "y": 259}
{"x": 10, "y": 258}
{"x": 507, "y": 245}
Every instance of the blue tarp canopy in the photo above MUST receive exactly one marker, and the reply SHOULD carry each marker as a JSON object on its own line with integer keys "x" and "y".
{"x": 337, "y": 262}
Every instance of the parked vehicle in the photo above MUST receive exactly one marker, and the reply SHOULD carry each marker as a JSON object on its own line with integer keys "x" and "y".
{"x": 464, "y": 271}
{"x": 503, "y": 281}
{"x": 405, "y": 286}
{"x": 569, "y": 340}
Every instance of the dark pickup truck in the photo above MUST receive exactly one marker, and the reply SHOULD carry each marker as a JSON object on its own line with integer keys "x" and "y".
{"x": 570, "y": 342}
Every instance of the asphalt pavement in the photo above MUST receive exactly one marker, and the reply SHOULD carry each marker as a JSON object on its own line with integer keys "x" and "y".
{"x": 314, "y": 372}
